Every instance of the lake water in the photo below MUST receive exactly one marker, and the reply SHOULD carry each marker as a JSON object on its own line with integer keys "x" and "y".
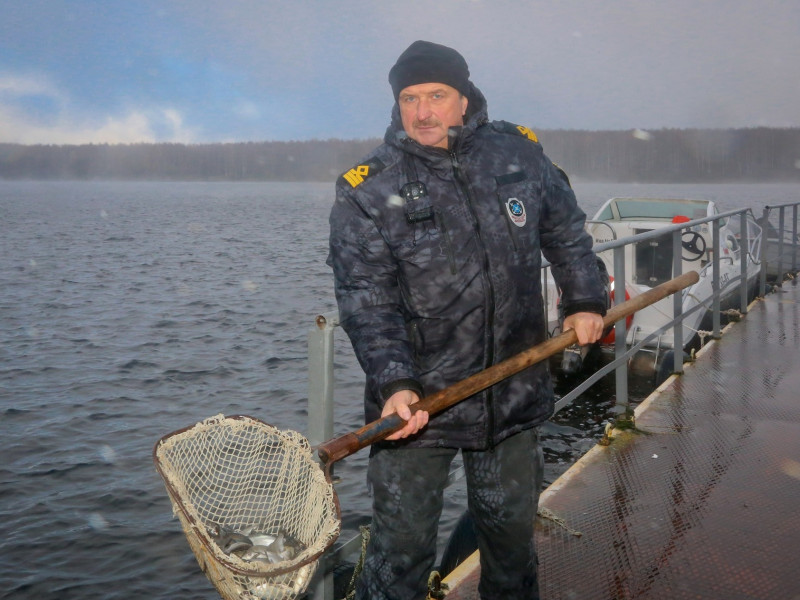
{"x": 129, "y": 310}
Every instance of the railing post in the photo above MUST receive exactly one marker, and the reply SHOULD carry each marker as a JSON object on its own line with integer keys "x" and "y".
{"x": 621, "y": 330}
{"x": 677, "y": 304}
{"x": 715, "y": 243}
{"x": 320, "y": 414}
{"x": 762, "y": 288}
{"x": 744, "y": 257}
{"x": 781, "y": 227}
{"x": 320, "y": 378}
{"x": 794, "y": 238}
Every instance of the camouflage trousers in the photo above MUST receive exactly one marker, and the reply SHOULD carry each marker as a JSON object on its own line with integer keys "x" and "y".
{"x": 503, "y": 487}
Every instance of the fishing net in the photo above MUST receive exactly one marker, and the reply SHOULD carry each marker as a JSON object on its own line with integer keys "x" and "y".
{"x": 255, "y": 506}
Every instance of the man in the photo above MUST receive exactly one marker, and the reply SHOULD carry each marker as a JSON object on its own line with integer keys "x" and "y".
{"x": 436, "y": 242}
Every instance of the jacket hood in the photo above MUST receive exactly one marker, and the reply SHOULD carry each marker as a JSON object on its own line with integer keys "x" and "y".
{"x": 477, "y": 115}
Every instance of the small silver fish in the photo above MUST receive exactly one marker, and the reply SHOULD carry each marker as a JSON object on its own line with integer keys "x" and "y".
{"x": 235, "y": 547}
{"x": 227, "y": 539}
{"x": 257, "y": 552}
{"x": 279, "y": 545}
{"x": 262, "y": 539}
{"x": 267, "y": 590}
{"x": 301, "y": 578}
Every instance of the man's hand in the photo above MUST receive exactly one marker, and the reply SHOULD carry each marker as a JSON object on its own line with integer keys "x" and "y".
{"x": 399, "y": 402}
{"x": 588, "y": 326}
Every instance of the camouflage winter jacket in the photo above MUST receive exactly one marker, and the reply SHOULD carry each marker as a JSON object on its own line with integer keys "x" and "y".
{"x": 436, "y": 257}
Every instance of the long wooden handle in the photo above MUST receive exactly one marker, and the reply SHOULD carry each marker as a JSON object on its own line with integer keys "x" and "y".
{"x": 379, "y": 429}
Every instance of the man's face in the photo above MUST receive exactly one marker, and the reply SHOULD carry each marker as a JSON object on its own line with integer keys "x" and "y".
{"x": 428, "y": 110}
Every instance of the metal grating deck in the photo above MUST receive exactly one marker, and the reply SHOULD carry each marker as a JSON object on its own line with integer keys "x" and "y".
{"x": 704, "y": 500}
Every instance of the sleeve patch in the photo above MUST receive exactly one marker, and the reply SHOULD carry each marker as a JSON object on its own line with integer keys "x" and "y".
{"x": 359, "y": 173}
{"x": 528, "y": 133}
{"x": 506, "y": 127}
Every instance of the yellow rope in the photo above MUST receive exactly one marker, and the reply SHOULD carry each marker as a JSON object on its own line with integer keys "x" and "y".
{"x": 546, "y": 513}
{"x": 351, "y": 587}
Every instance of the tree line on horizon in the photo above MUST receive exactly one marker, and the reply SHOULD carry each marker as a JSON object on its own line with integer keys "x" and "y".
{"x": 666, "y": 155}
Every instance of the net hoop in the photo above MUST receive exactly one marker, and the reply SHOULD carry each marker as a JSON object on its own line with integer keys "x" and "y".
{"x": 244, "y": 474}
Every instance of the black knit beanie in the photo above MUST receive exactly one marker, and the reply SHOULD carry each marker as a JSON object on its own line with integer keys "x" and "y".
{"x": 426, "y": 62}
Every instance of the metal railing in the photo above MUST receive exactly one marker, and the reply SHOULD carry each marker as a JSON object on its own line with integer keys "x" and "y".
{"x": 321, "y": 342}
{"x": 781, "y": 245}
{"x": 622, "y": 351}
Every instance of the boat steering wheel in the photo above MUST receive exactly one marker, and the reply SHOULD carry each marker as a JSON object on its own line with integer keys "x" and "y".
{"x": 694, "y": 246}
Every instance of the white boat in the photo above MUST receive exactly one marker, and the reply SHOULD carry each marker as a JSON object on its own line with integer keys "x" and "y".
{"x": 650, "y": 262}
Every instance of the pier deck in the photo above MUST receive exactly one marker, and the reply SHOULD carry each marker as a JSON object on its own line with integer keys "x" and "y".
{"x": 703, "y": 499}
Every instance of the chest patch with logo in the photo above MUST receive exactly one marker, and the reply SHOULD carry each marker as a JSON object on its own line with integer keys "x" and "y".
{"x": 516, "y": 212}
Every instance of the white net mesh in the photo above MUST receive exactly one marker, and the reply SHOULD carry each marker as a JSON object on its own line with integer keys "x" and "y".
{"x": 237, "y": 478}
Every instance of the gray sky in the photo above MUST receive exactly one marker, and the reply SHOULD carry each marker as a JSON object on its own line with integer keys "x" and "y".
{"x": 77, "y": 71}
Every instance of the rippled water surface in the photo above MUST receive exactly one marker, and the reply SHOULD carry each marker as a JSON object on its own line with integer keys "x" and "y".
{"x": 129, "y": 310}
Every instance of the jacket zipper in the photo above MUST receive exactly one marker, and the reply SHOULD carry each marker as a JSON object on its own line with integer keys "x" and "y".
{"x": 467, "y": 190}
{"x": 451, "y": 258}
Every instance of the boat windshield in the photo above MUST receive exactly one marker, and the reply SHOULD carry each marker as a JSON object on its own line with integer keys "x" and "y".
{"x": 653, "y": 208}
